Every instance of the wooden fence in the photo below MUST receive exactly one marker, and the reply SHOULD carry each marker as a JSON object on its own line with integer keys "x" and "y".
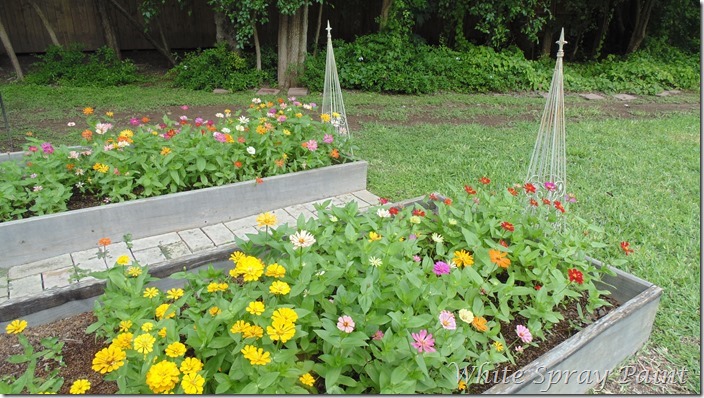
{"x": 78, "y": 21}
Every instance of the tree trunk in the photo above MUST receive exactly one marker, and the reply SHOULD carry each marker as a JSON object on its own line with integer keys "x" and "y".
{"x": 164, "y": 44}
{"x": 224, "y": 31}
{"x": 282, "y": 64}
{"x": 384, "y": 16}
{"x": 293, "y": 40}
{"x": 303, "y": 39}
{"x": 45, "y": 21}
{"x": 108, "y": 30}
{"x": 604, "y": 21}
{"x": 317, "y": 28}
{"x": 146, "y": 35}
{"x": 643, "y": 11}
{"x": 10, "y": 51}
{"x": 546, "y": 42}
{"x": 257, "y": 47}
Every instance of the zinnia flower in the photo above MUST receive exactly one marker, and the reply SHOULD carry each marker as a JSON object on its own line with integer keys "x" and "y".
{"x": 378, "y": 335}
{"x": 437, "y": 238}
{"x": 479, "y": 323}
{"x": 530, "y": 188}
{"x": 175, "y": 350}
{"x": 345, "y": 324}
{"x": 174, "y": 294}
{"x": 191, "y": 365}
{"x": 192, "y": 383}
{"x": 499, "y": 258}
{"x": 279, "y": 287}
{"x": 550, "y": 186}
{"x": 375, "y": 262}
{"x": 104, "y": 242}
{"x": 144, "y": 343}
{"x": 285, "y": 314}
{"x": 134, "y": 271}
{"x": 147, "y": 326}
{"x": 255, "y": 307}
{"x": 307, "y": 379}
{"x": 499, "y": 347}
{"x": 125, "y": 325}
{"x": 469, "y": 190}
{"x": 302, "y": 239}
{"x": 373, "y": 236}
{"x": 575, "y": 275}
{"x": 161, "y": 311}
{"x": 524, "y": 334}
{"x": 214, "y": 311}
{"x": 150, "y": 292}
{"x": 16, "y": 326}
{"x": 281, "y": 330}
{"x": 108, "y": 359}
{"x": 466, "y": 315}
{"x": 484, "y": 180}
{"x": 441, "y": 268}
{"x": 123, "y": 340}
{"x": 507, "y": 226}
{"x": 512, "y": 191}
{"x": 162, "y": 377}
{"x": 80, "y": 386}
{"x": 423, "y": 341}
{"x": 123, "y": 260}
{"x": 447, "y": 320}
{"x": 462, "y": 258}
{"x": 267, "y": 219}
{"x": 275, "y": 271}
{"x": 256, "y": 356}
{"x": 625, "y": 248}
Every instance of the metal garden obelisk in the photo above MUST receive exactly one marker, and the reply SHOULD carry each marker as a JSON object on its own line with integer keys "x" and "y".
{"x": 548, "y": 162}
{"x": 332, "y": 94}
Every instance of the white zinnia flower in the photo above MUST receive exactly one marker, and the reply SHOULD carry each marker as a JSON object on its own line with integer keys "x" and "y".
{"x": 244, "y": 119}
{"x": 375, "y": 262}
{"x": 383, "y": 213}
{"x": 302, "y": 239}
{"x": 239, "y": 127}
{"x": 251, "y": 150}
{"x": 219, "y": 115}
{"x": 225, "y": 130}
{"x": 466, "y": 315}
{"x": 437, "y": 237}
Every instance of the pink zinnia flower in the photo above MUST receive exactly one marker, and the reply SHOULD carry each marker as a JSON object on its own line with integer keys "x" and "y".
{"x": 345, "y": 323}
{"x": 423, "y": 341}
{"x": 281, "y": 118}
{"x": 447, "y": 320}
{"x": 441, "y": 268}
{"x": 33, "y": 148}
{"x": 524, "y": 334}
{"x": 378, "y": 335}
{"x": 184, "y": 107}
{"x": 134, "y": 121}
{"x": 312, "y": 145}
{"x": 550, "y": 186}
{"x": 519, "y": 348}
{"x": 47, "y": 148}
{"x": 328, "y": 139}
{"x": 416, "y": 258}
{"x": 219, "y": 137}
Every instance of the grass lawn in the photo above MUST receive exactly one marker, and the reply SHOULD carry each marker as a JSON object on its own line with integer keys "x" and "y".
{"x": 635, "y": 170}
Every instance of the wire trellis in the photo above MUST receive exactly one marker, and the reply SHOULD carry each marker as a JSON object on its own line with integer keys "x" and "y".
{"x": 333, "y": 106}
{"x": 548, "y": 163}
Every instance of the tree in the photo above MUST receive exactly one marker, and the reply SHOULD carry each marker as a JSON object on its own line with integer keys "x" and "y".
{"x": 149, "y": 10}
{"x": 244, "y": 16}
{"x": 292, "y": 40}
{"x": 643, "y": 9}
{"x": 10, "y": 51}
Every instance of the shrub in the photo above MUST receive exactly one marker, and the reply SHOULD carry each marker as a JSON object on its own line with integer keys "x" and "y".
{"x": 70, "y": 66}
{"x": 215, "y": 67}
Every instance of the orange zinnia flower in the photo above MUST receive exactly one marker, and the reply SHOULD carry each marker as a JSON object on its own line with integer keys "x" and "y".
{"x": 479, "y": 323}
{"x": 87, "y": 134}
{"x": 484, "y": 180}
{"x": 87, "y": 111}
{"x": 238, "y": 164}
{"x": 335, "y": 154}
{"x": 145, "y": 120}
{"x": 448, "y": 201}
{"x": 469, "y": 190}
{"x": 512, "y": 191}
{"x": 499, "y": 258}
{"x": 104, "y": 241}
{"x": 259, "y": 180}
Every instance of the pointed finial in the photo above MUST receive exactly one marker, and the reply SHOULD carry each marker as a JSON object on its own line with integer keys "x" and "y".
{"x": 328, "y": 29}
{"x": 561, "y": 43}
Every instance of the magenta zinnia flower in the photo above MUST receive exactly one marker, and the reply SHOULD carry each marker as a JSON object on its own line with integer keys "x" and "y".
{"x": 550, "y": 186}
{"x": 47, "y": 148}
{"x": 378, "y": 335}
{"x": 524, "y": 334}
{"x": 447, "y": 320}
{"x": 345, "y": 323}
{"x": 134, "y": 121}
{"x": 441, "y": 268}
{"x": 328, "y": 139}
{"x": 423, "y": 341}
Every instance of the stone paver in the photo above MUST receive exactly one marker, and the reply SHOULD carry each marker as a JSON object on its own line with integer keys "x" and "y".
{"x": 219, "y": 234}
{"x": 311, "y": 205}
{"x": 26, "y": 286}
{"x": 591, "y": 96}
{"x": 196, "y": 239}
{"x": 246, "y": 222}
{"x": 40, "y": 266}
{"x": 297, "y": 91}
{"x": 296, "y": 210}
{"x": 268, "y": 91}
{"x": 625, "y": 97}
{"x": 150, "y": 256}
{"x": 242, "y": 232}
{"x": 367, "y": 196}
{"x": 283, "y": 217}
{"x": 58, "y": 278}
{"x": 88, "y": 260}
{"x": 175, "y": 250}
{"x": 154, "y": 241}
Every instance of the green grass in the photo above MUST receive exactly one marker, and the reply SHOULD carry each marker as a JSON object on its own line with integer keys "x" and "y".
{"x": 637, "y": 177}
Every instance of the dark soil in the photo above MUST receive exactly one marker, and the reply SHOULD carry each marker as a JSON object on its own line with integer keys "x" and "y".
{"x": 79, "y": 348}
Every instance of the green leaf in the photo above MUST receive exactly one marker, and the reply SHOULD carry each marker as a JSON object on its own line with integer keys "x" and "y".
{"x": 399, "y": 374}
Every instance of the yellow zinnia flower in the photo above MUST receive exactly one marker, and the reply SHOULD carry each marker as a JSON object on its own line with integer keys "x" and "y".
{"x": 214, "y": 311}
{"x": 281, "y": 330}
{"x": 87, "y": 111}
{"x": 162, "y": 333}
{"x": 239, "y": 327}
{"x": 285, "y": 315}
{"x": 251, "y": 268}
{"x": 275, "y": 271}
{"x": 144, "y": 343}
{"x": 147, "y": 326}
{"x": 267, "y": 219}
{"x": 191, "y": 365}
{"x": 253, "y": 331}
{"x": 236, "y": 257}
{"x": 162, "y": 377}
{"x": 174, "y": 294}
{"x": 463, "y": 258}
{"x": 255, "y": 308}
{"x": 80, "y": 386}
{"x": 192, "y": 383}
{"x": 16, "y": 326}
{"x": 123, "y": 340}
{"x": 175, "y": 350}
{"x": 307, "y": 379}
{"x": 134, "y": 271}
{"x": 256, "y": 356}
{"x": 499, "y": 347}
{"x": 162, "y": 310}
{"x": 108, "y": 359}
{"x": 125, "y": 325}
{"x": 324, "y": 118}
{"x": 373, "y": 236}
{"x": 123, "y": 260}
{"x": 165, "y": 150}
{"x": 151, "y": 292}
{"x": 278, "y": 287}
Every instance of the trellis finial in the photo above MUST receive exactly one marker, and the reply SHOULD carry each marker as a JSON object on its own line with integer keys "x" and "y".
{"x": 329, "y": 29}
{"x": 560, "y": 43}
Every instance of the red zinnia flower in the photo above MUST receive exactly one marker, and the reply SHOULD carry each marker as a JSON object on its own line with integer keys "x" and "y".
{"x": 559, "y": 207}
{"x": 512, "y": 191}
{"x": 507, "y": 226}
{"x": 419, "y": 213}
{"x": 503, "y": 243}
{"x": 448, "y": 201}
{"x": 433, "y": 196}
{"x": 538, "y": 287}
{"x": 238, "y": 164}
{"x": 383, "y": 201}
{"x": 533, "y": 202}
{"x": 546, "y": 201}
{"x": 575, "y": 275}
{"x": 530, "y": 188}
{"x": 626, "y": 249}
{"x": 241, "y": 140}
{"x": 484, "y": 180}
{"x": 469, "y": 190}
{"x": 259, "y": 180}
{"x": 393, "y": 210}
